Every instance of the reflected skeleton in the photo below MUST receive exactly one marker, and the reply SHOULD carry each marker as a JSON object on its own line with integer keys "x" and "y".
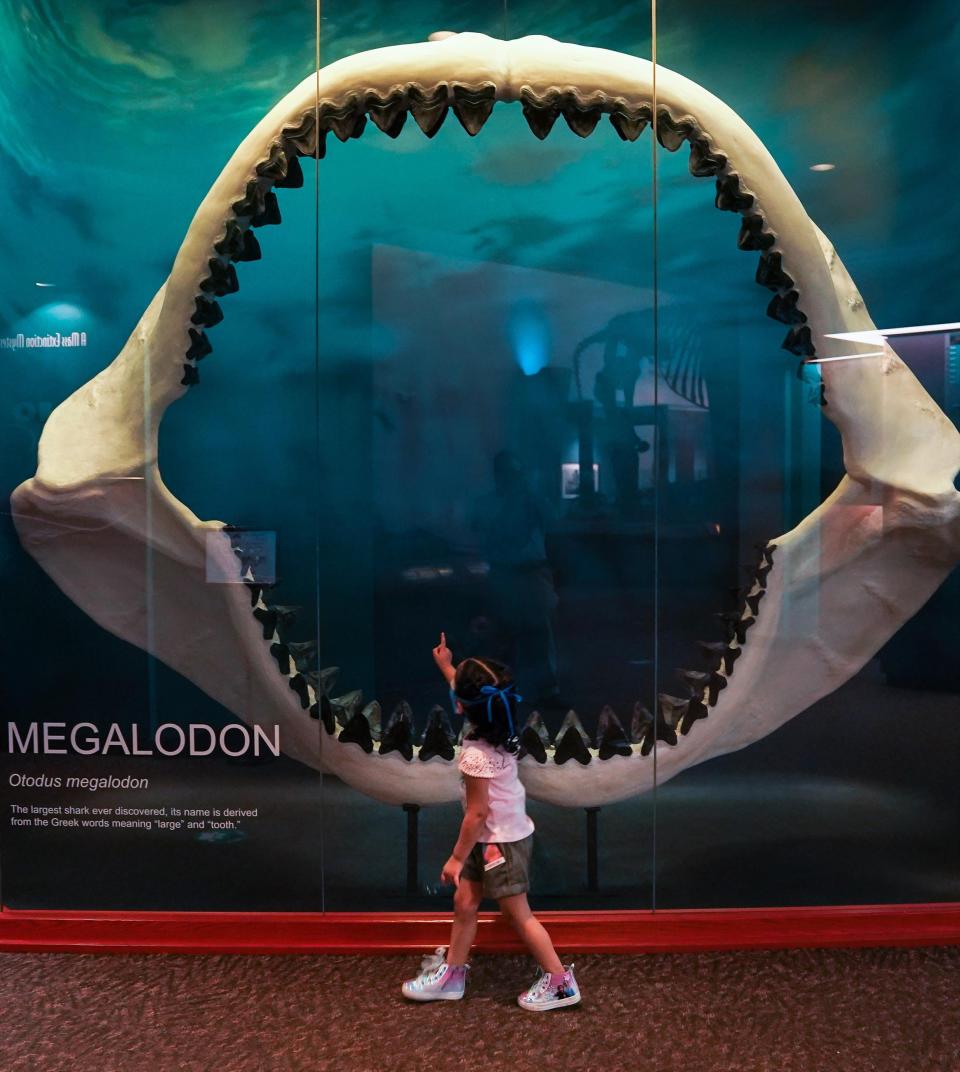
{"x": 823, "y": 599}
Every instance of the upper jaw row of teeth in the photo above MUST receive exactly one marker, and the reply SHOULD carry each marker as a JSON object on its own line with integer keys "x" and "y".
{"x": 473, "y": 105}
{"x": 352, "y": 722}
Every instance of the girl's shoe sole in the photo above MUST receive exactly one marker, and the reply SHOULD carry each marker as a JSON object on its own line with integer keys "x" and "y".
{"x": 433, "y": 997}
{"x": 561, "y": 1004}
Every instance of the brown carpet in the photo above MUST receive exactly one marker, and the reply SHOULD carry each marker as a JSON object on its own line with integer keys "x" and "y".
{"x": 792, "y": 1011}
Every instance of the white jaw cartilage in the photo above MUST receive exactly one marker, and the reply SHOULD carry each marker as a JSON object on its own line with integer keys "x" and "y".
{"x": 824, "y": 598}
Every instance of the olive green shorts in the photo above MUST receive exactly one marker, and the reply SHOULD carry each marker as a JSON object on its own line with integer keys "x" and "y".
{"x": 507, "y": 879}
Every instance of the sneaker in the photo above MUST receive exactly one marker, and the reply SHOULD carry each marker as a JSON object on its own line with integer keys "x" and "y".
{"x": 545, "y": 995}
{"x": 437, "y": 981}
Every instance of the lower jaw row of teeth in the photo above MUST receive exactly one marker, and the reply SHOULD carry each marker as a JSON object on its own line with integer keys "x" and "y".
{"x": 473, "y": 105}
{"x": 347, "y": 718}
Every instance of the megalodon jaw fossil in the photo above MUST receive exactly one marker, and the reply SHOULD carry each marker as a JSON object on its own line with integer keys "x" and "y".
{"x": 823, "y": 598}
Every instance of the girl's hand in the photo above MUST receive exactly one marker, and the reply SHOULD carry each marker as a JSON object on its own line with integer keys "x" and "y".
{"x": 450, "y": 875}
{"x": 443, "y": 657}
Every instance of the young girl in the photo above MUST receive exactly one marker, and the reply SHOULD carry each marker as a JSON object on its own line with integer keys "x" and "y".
{"x": 492, "y": 855}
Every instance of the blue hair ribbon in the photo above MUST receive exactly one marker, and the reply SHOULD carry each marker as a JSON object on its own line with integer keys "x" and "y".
{"x": 507, "y": 694}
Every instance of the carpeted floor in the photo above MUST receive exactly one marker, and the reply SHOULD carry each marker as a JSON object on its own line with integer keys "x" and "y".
{"x": 792, "y": 1011}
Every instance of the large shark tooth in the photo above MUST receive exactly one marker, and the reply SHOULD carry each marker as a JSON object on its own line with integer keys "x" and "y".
{"x": 357, "y": 731}
{"x": 473, "y": 106}
{"x": 534, "y": 738}
{"x": 429, "y": 109}
{"x": 849, "y": 575}
{"x": 611, "y": 738}
{"x": 372, "y": 714}
{"x": 302, "y": 653}
{"x": 398, "y": 733}
{"x": 572, "y": 741}
{"x": 438, "y": 736}
{"x": 720, "y": 654}
{"x": 389, "y": 113}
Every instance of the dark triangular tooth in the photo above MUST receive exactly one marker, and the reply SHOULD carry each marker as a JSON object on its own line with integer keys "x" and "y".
{"x": 672, "y": 710}
{"x": 279, "y": 651}
{"x": 293, "y": 179}
{"x": 640, "y": 722}
{"x": 255, "y": 590}
{"x": 694, "y": 711}
{"x": 398, "y": 733}
{"x": 670, "y": 133}
{"x": 323, "y": 680}
{"x": 752, "y": 236}
{"x": 437, "y": 739}
{"x": 190, "y": 376}
{"x": 299, "y": 685}
{"x": 783, "y": 307}
{"x": 253, "y": 201}
{"x": 199, "y": 346}
{"x": 704, "y": 163}
{"x": 323, "y": 710}
{"x": 700, "y": 683}
{"x": 765, "y": 549}
{"x": 270, "y": 213}
{"x": 770, "y": 273}
{"x": 540, "y": 119}
{"x": 208, "y": 312}
{"x": 753, "y": 602}
{"x": 231, "y": 245}
{"x": 536, "y": 723}
{"x": 737, "y": 626}
{"x": 695, "y": 680}
{"x": 799, "y": 341}
{"x": 720, "y": 654}
{"x": 299, "y": 138}
{"x": 629, "y": 127}
{"x": 249, "y": 248}
{"x": 761, "y": 573}
{"x": 372, "y": 714}
{"x": 473, "y": 107}
{"x": 429, "y": 109}
{"x": 275, "y": 166}
{"x": 347, "y": 705}
{"x": 388, "y": 114}
{"x": 730, "y": 197}
{"x": 357, "y": 731}
{"x": 740, "y": 632}
{"x": 611, "y": 738}
{"x": 221, "y": 280}
{"x": 345, "y": 121}
{"x": 534, "y": 739}
{"x": 572, "y": 741}
{"x": 391, "y": 121}
{"x": 302, "y": 653}
{"x": 582, "y": 121}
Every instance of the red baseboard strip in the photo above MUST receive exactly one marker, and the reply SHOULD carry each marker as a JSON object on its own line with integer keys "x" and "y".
{"x": 667, "y": 931}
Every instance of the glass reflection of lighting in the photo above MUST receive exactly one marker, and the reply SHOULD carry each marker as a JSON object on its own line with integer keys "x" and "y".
{"x": 529, "y": 336}
{"x": 822, "y": 167}
{"x": 62, "y": 311}
{"x": 427, "y": 573}
{"x": 877, "y": 335}
{"x": 842, "y": 357}
{"x": 44, "y": 284}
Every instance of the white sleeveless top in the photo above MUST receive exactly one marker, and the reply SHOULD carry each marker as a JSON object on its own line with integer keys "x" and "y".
{"x": 507, "y": 818}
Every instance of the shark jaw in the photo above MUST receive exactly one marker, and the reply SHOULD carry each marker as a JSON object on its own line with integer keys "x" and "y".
{"x": 822, "y": 600}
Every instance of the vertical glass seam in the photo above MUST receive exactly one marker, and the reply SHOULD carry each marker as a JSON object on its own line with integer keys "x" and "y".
{"x": 657, "y": 445}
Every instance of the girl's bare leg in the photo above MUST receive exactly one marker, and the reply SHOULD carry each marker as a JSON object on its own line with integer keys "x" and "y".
{"x": 531, "y": 930}
{"x": 466, "y": 902}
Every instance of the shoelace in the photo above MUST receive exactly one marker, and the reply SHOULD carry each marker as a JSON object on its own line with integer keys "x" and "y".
{"x": 434, "y": 959}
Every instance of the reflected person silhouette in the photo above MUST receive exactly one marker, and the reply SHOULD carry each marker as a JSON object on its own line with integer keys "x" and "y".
{"x": 512, "y": 522}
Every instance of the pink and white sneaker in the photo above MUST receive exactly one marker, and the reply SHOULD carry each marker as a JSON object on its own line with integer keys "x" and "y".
{"x": 438, "y": 980}
{"x": 551, "y": 992}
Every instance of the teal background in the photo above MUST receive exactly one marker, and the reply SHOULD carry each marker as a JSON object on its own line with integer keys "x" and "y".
{"x": 470, "y": 264}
